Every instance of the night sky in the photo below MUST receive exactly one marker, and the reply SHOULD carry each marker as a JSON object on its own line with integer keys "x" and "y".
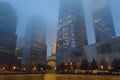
{"x": 48, "y": 9}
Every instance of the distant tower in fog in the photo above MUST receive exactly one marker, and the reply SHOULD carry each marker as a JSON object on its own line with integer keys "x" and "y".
{"x": 102, "y": 18}
{"x": 71, "y": 33}
{"x": 54, "y": 47}
{"x": 52, "y": 59}
{"x": 35, "y": 41}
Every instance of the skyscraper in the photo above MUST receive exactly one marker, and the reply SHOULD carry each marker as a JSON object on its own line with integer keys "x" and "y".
{"x": 8, "y": 24}
{"x": 71, "y": 33}
{"x": 8, "y": 37}
{"x": 35, "y": 41}
{"x": 103, "y": 22}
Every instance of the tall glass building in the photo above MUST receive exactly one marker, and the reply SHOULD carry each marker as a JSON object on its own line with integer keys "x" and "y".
{"x": 35, "y": 41}
{"x": 8, "y": 37}
{"x": 102, "y": 18}
{"x": 71, "y": 33}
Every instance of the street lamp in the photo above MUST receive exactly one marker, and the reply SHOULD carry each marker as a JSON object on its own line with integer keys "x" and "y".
{"x": 55, "y": 68}
{"x": 41, "y": 69}
{"x": 101, "y": 67}
{"x": 3, "y": 68}
{"x": 24, "y": 68}
{"x": 34, "y": 68}
{"x": 71, "y": 63}
{"x": 14, "y": 68}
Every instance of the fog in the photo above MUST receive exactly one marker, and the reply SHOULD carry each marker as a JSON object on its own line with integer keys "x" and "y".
{"x": 49, "y": 10}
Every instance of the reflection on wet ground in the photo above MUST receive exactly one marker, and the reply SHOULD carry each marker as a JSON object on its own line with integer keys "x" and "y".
{"x": 57, "y": 77}
{"x": 87, "y": 77}
{"x": 22, "y": 77}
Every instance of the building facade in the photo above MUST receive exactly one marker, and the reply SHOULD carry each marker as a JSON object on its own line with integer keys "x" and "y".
{"x": 35, "y": 48}
{"x": 8, "y": 37}
{"x": 103, "y": 51}
{"x": 19, "y": 49}
{"x": 71, "y": 33}
{"x": 52, "y": 58}
{"x": 102, "y": 19}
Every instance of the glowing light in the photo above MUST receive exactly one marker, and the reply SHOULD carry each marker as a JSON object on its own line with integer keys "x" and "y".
{"x": 101, "y": 67}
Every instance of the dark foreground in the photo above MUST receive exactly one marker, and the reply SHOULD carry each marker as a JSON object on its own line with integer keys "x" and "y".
{"x": 58, "y": 77}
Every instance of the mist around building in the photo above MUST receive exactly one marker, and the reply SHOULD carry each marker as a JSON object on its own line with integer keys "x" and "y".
{"x": 70, "y": 51}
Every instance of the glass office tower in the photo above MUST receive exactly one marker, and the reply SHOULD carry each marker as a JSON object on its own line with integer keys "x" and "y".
{"x": 102, "y": 18}
{"x": 71, "y": 33}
